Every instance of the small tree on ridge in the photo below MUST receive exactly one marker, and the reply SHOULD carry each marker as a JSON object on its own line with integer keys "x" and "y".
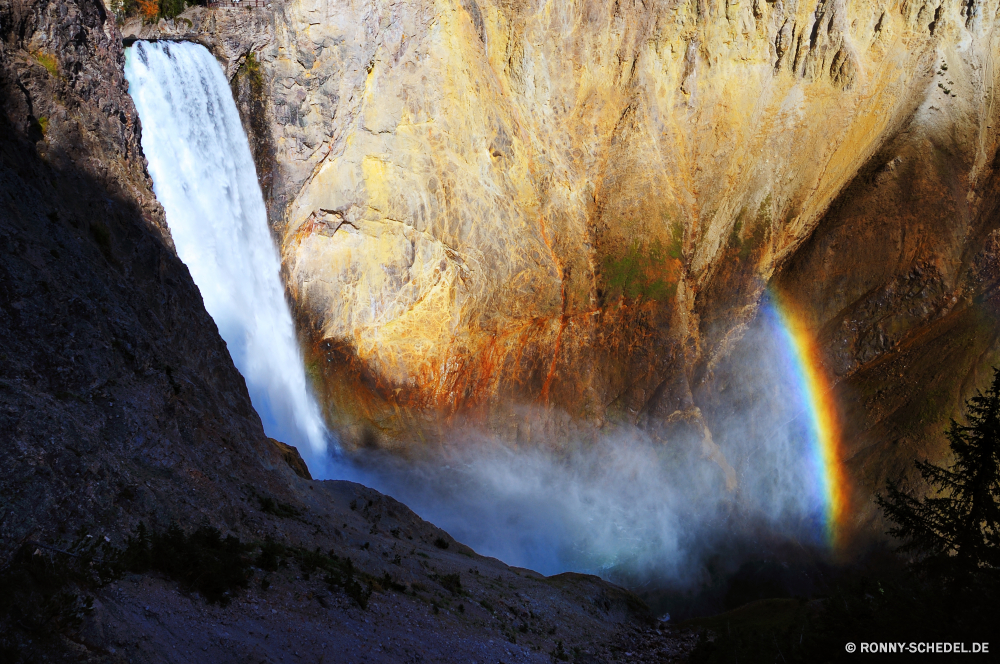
{"x": 955, "y": 532}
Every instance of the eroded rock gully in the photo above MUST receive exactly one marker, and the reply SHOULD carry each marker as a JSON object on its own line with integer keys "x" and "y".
{"x": 542, "y": 217}
{"x": 119, "y": 403}
{"x": 538, "y": 217}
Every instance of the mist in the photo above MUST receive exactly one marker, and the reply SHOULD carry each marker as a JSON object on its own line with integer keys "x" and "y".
{"x": 629, "y": 505}
{"x": 203, "y": 174}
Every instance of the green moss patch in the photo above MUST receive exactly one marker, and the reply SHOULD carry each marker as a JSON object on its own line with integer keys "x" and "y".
{"x": 748, "y": 235}
{"x": 251, "y": 69}
{"x": 48, "y": 61}
{"x": 269, "y": 505}
{"x": 644, "y": 271}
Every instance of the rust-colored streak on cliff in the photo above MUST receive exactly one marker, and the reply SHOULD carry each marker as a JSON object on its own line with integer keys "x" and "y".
{"x": 486, "y": 206}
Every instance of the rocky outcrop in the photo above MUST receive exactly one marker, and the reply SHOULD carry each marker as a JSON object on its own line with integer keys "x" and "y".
{"x": 544, "y": 218}
{"x": 229, "y": 34}
{"x": 119, "y": 399}
{"x": 573, "y": 210}
{"x": 120, "y": 404}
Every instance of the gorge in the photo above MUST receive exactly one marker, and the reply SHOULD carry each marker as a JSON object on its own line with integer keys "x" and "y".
{"x": 660, "y": 291}
{"x": 618, "y": 505}
{"x": 204, "y": 177}
{"x": 558, "y": 223}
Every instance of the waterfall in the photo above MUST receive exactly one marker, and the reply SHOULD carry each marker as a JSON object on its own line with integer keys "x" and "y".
{"x": 625, "y": 501}
{"x": 204, "y": 176}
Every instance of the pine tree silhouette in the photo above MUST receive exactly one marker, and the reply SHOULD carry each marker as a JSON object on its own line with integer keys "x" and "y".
{"x": 955, "y": 533}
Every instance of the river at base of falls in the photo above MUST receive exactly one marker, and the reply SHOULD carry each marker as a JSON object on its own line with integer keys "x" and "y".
{"x": 204, "y": 176}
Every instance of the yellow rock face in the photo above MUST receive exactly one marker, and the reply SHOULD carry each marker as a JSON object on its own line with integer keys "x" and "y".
{"x": 576, "y": 204}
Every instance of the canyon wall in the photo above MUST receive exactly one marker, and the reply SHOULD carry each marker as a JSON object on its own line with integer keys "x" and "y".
{"x": 120, "y": 405}
{"x": 543, "y": 217}
{"x": 118, "y": 399}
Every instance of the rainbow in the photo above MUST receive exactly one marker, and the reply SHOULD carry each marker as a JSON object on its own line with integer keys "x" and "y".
{"x": 816, "y": 391}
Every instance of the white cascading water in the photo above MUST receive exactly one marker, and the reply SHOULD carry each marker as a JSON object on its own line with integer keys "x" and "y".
{"x": 204, "y": 176}
{"x": 626, "y": 502}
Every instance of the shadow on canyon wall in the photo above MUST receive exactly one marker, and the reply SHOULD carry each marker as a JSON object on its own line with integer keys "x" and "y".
{"x": 113, "y": 374}
{"x": 891, "y": 260}
{"x": 109, "y": 386}
{"x": 119, "y": 403}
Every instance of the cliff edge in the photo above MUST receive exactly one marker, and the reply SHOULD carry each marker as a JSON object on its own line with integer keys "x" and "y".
{"x": 541, "y": 218}
{"x": 120, "y": 406}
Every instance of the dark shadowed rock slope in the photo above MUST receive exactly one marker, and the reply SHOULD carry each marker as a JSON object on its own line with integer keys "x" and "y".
{"x": 119, "y": 397}
{"x": 119, "y": 403}
{"x": 572, "y": 213}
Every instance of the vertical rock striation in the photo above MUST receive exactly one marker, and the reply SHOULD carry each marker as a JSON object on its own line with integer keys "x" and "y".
{"x": 543, "y": 216}
{"x": 118, "y": 398}
{"x": 578, "y": 205}
{"x": 119, "y": 403}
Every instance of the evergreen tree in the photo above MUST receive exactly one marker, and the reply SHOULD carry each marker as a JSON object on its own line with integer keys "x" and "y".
{"x": 171, "y": 8}
{"x": 950, "y": 594}
{"x": 955, "y": 532}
